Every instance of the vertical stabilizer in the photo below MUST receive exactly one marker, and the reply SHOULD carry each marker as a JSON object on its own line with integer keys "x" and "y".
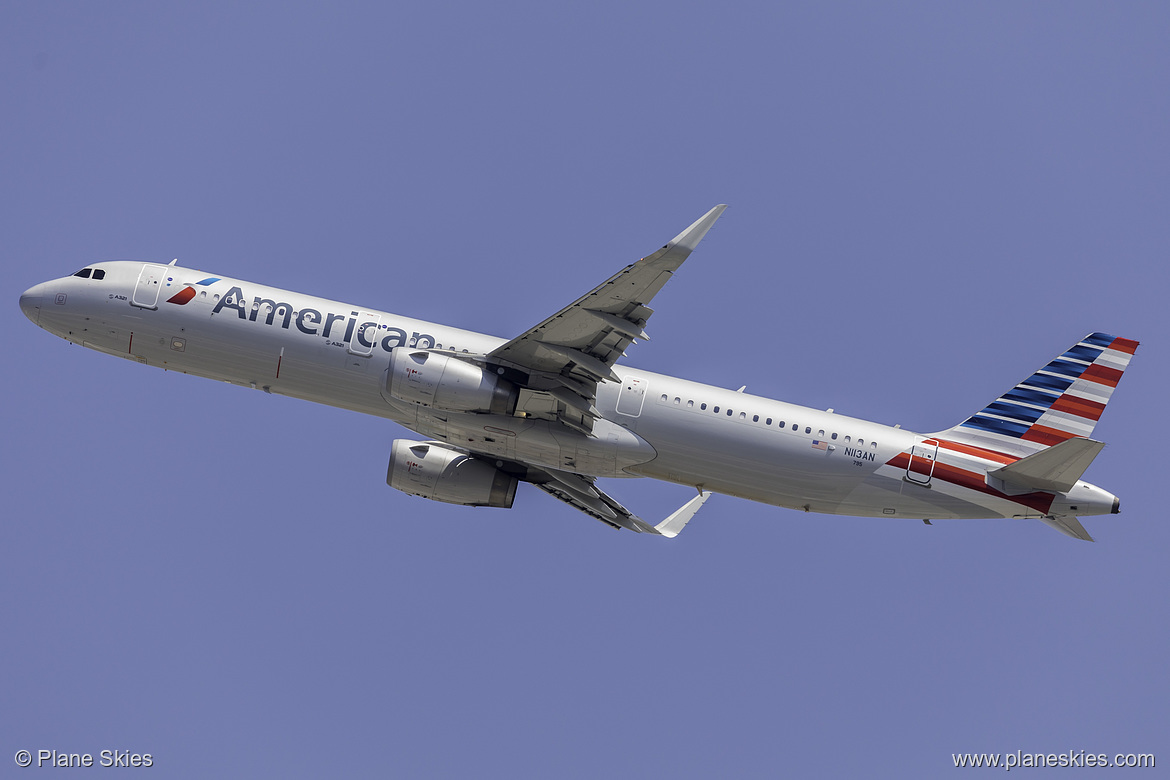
{"x": 1062, "y": 400}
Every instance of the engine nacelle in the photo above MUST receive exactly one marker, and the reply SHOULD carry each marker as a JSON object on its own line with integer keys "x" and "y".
{"x": 446, "y": 382}
{"x": 430, "y": 470}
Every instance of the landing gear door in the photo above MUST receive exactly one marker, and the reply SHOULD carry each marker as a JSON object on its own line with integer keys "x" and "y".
{"x": 922, "y": 460}
{"x": 149, "y": 286}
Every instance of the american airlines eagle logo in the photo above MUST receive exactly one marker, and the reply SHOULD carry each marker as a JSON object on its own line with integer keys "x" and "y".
{"x": 185, "y": 295}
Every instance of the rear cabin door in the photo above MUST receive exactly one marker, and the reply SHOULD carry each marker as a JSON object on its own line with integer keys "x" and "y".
{"x": 922, "y": 460}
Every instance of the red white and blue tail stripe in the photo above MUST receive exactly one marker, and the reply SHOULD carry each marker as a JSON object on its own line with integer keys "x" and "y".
{"x": 1062, "y": 400}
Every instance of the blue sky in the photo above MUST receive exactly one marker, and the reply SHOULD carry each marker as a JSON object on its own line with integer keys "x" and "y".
{"x": 927, "y": 202}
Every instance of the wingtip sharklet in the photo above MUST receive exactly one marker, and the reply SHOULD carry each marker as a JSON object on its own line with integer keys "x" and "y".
{"x": 673, "y": 525}
{"x": 690, "y": 238}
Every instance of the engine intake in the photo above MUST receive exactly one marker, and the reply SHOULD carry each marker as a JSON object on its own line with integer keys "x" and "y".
{"x": 446, "y": 382}
{"x": 430, "y": 470}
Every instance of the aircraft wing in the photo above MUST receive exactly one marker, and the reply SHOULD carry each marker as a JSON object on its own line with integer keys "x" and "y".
{"x": 581, "y": 493}
{"x": 566, "y": 356}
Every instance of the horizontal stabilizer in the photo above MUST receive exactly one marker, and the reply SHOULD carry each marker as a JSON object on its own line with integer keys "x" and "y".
{"x": 1055, "y": 469}
{"x": 1068, "y": 525}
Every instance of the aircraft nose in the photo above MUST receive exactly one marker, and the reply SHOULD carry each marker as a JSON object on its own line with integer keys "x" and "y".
{"x": 30, "y": 302}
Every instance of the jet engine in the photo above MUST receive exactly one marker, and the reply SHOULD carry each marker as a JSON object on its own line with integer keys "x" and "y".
{"x": 446, "y": 382}
{"x": 437, "y": 472}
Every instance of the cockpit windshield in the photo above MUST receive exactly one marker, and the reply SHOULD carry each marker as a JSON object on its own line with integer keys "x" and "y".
{"x": 98, "y": 273}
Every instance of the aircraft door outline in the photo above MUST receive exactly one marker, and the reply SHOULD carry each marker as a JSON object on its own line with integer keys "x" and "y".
{"x": 923, "y": 457}
{"x": 632, "y": 396}
{"x": 368, "y": 327}
{"x": 148, "y": 287}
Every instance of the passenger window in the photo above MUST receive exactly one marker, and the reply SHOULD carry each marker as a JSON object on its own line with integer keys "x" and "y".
{"x": 834, "y": 437}
{"x": 807, "y": 429}
{"x": 755, "y": 418}
{"x": 768, "y": 421}
{"x": 848, "y": 439}
{"x": 873, "y": 445}
{"x": 99, "y": 274}
{"x": 716, "y": 410}
{"x": 703, "y": 407}
{"x": 820, "y": 434}
{"x": 743, "y": 416}
{"x": 690, "y": 404}
{"x": 664, "y": 398}
{"x": 781, "y": 424}
{"x": 83, "y": 273}
{"x": 794, "y": 426}
{"x": 861, "y": 442}
{"x": 677, "y": 401}
{"x": 729, "y": 412}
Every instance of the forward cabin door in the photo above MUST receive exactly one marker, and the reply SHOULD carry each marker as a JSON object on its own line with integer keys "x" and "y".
{"x": 149, "y": 286}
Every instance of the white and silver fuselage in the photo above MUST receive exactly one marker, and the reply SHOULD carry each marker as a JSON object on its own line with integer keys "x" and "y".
{"x": 651, "y": 425}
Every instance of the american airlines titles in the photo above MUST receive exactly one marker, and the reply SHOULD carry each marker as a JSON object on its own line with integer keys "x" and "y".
{"x": 312, "y": 322}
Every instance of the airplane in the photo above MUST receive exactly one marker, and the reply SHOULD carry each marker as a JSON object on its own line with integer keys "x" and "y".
{"x": 553, "y": 406}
